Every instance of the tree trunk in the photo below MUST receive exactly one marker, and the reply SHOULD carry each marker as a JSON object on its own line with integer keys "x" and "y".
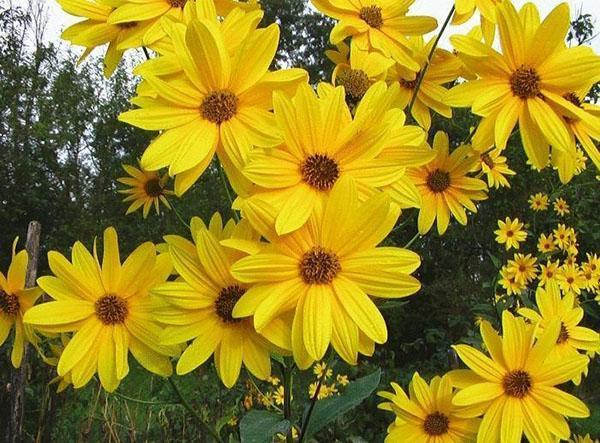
{"x": 16, "y": 388}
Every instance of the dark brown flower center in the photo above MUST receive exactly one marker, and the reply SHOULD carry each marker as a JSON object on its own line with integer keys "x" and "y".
{"x": 177, "y": 3}
{"x": 372, "y": 15}
{"x": 226, "y": 301}
{"x": 319, "y": 266}
{"x": 564, "y": 334}
{"x": 509, "y": 233}
{"x": 522, "y": 268}
{"x": 153, "y": 188}
{"x": 525, "y": 82}
{"x": 438, "y": 181}
{"x": 517, "y": 383}
{"x": 219, "y": 106}
{"x": 485, "y": 158}
{"x": 570, "y": 280}
{"x": 355, "y": 82}
{"x": 320, "y": 171}
{"x": 410, "y": 84}
{"x": 127, "y": 25}
{"x": 111, "y": 309}
{"x": 9, "y": 304}
{"x": 436, "y": 424}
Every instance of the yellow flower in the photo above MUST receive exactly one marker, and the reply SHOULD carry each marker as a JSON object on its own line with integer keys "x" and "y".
{"x": 509, "y": 282}
{"x": 320, "y": 369}
{"x": 549, "y": 275}
{"x": 221, "y": 100}
{"x": 466, "y": 8}
{"x": 324, "y": 391}
{"x": 572, "y": 338}
{"x": 323, "y": 272}
{"x": 108, "y": 308}
{"x": 494, "y": 166}
{"x": 539, "y": 202}
{"x": 428, "y": 414}
{"x": 592, "y": 279}
{"x": 511, "y": 233}
{"x": 342, "y": 380}
{"x": 561, "y": 207}
{"x": 380, "y": 25}
{"x": 571, "y": 279}
{"x": 445, "y": 187}
{"x": 57, "y": 349}
{"x": 279, "y": 395}
{"x": 562, "y": 236}
{"x": 273, "y": 380}
{"x": 523, "y": 267}
{"x": 546, "y": 244}
{"x": 323, "y": 143}
{"x": 517, "y": 85}
{"x": 146, "y": 189}
{"x": 583, "y": 439}
{"x": 202, "y": 301}
{"x": 15, "y": 301}
{"x": 515, "y": 386}
{"x": 443, "y": 68}
{"x": 358, "y": 72}
{"x": 97, "y": 30}
{"x": 593, "y": 261}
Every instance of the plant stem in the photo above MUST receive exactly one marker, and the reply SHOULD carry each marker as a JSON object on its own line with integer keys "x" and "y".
{"x": 288, "y": 376}
{"x": 194, "y": 413}
{"x": 178, "y": 215}
{"x": 426, "y": 67}
{"x": 411, "y": 241}
{"x": 236, "y": 217}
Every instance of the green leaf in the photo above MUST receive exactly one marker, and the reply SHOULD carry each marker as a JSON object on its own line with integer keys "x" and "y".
{"x": 329, "y": 409}
{"x": 261, "y": 426}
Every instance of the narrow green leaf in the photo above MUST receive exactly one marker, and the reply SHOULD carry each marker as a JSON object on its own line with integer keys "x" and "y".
{"x": 260, "y": 426}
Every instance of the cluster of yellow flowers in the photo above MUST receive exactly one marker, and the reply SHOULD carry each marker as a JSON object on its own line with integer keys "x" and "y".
{"x": 508, "y": 393}
{"x": 321, "y": 176}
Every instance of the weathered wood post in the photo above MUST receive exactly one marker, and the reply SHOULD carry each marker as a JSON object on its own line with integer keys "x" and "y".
{"x": 16, "y": 387}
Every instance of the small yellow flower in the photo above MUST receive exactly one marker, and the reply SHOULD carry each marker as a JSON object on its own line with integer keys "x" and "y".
{"x": 583, "y": 439}
{"x": 580, "y": 162}
{"x": 324, "y": 391}
{"x": 561, "y": 207}
{"x": 321, "y": 369}
{"x": 279, "y": 395}
{"x": 549, "y": 275}
{"x": 523, "y": 267}
{"x": 146, "y": 189}
{"x": 571, "y": 279}
{"x": 593, "y": 261}
{"x": 509, "y": 282}
{"x": 511, "y": 233}
{"x": 539, "y": 202}
{"x": 267, "y": 400}
{"x": 592, "y": 279}
{"x": 342, "y": 380}
{"x": 273, "y": 380}
{"x": 495, "y": 167}
{"x": 562, "y": 236}
{"x": 546, "y": 244}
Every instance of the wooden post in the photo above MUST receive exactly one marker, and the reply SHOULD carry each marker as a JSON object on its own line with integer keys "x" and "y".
{"x": 18, "y": 379}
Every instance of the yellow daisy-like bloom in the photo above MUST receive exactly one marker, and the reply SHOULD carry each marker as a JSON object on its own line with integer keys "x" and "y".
{"x": 97, "y": 30}
{"x": 572, "y": 338}
{"x": 510, "y": 233}
{"x": 571, "y": 279}
{"x": 561, "y": 207}
{"x": 146, "y": 189}
{"x": 320, "y": 369}
{"x": 108, "y": 308}
{"x": 593, "y": 260}
{"x": 509, "y": 282}
{"x": 342, "y": 380}
{"x": 583, "y": 439}
{"x": 523, "y": 267}
{"x": 539, "y": 202}
{"x": 323, "y": 143}
{"x": 549, "y": 275}
{"x": 357, "y": 70}
{"x": 592, "y": 279}
{"x": 221, "y": 100}
{"x": 323, "y": 272}
{"x": 546, "y": 244}
{"x": 517, "y": 85}
{"x": 202, "y": 300}
{"x": 465, "y": 9}
{"x": 445, "y": 187}
{"x": 515, "y": 386}
{"x": 15, "y": 301}
{"x": 152, "y": 11}
{"x": 380, "y": 25}
{"x": 444, "y": 68}
{"x": 427, "y": 414}
{"x": 563, "y": 236}
{"x": 495, "y": 167}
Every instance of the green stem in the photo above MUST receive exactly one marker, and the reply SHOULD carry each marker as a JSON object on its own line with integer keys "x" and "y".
{"x": 144, "y": 402}
{"x": 412, "y": 240}
{"x": 426, "y": 67}
{"x": 288, "y": 376}
{"x": 178, "y": 214}
{"x": 236, "y": 217}
{"x": 194, "y": 413}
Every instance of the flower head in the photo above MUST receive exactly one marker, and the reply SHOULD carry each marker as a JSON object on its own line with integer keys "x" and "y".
{"x": 108, "y": 308}
{"x": 494, "y": 166}
{"x": 445, "y": 187}
{"x": 427, "y": 413}
{"x": 510, "y": 233}
{"x": 561, "y": 207}
{"x": 146, "y": 189}
{"x": 539, "y": 202}
{"x": 546, "y": 244}
{"x": 15, "y": 300}
{"x": 523, "y": 267}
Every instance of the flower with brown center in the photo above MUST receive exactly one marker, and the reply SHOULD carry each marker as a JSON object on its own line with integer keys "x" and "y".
{"x": 355, "y": 82}
{"x": 372, "y": 16}
{"x": 438, "y": 181}
{"x": 145, "y": 190}
{"x": 226, "y": 301}
{"x": 319, "y": 266}
{"x": 219, "y": 106}
{"x": 436, "y": 424}
{"x": 320, "y": 171}
{"x": 111, "y": 309}
{"x": 525, "y": 82}
{"x": 517, "y": 383}
{"x": 9, "y": 304}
